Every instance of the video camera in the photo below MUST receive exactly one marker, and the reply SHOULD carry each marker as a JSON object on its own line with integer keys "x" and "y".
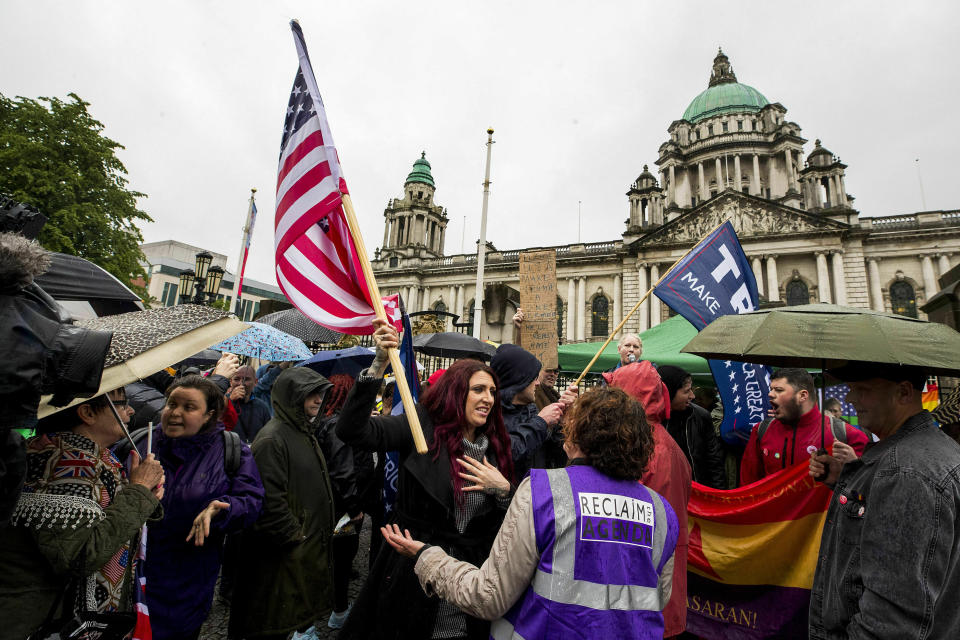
{"x": 43, "y": 352}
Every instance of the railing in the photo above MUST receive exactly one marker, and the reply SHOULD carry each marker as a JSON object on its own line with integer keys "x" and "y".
{"x": 894, "y": 222}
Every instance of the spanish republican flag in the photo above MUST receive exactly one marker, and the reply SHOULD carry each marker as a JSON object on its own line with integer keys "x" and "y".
{"x": 752, "y": 556}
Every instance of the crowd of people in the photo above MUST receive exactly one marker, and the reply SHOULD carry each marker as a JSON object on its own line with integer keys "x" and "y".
{"x": 537, "y": 512}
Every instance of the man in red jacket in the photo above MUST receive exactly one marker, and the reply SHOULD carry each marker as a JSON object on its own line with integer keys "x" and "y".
{"x": 795, "y": 430}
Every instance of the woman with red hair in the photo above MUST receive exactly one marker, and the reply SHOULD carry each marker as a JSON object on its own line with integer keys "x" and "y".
{"x": 454, "y": 496}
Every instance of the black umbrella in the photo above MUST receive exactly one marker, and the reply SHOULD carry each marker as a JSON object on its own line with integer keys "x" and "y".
{"x": 293, "y": 321}
{"x": 451, "y": 344}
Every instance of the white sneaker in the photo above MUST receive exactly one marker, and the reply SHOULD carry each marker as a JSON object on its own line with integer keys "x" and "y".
{"x": 309, "y": 634}
{"x": 337, "y": 619}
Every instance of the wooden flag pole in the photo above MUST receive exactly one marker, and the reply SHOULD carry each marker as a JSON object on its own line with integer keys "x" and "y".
{"x": 637, "y": 306}
{"x": 408, "y": 407}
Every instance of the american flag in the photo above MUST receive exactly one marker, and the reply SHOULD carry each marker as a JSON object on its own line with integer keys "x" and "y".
{"x": 840, "y": 391}
{"x": 142, "y": 629}
{"x": 318, "y": 265}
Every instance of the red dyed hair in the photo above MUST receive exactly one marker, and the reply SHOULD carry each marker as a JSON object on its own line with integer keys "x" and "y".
{"x": 446, "y": 403}
{"x": 337, "y": 395}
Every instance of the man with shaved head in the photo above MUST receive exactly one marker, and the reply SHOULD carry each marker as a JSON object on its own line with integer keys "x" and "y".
{"x": 252, "y": 413}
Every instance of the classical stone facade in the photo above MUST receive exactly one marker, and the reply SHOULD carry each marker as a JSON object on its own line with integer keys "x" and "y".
{"x": 732, "y": 156}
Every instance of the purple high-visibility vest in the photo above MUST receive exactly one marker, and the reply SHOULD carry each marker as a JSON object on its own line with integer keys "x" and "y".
{"x": 606, "y": 559}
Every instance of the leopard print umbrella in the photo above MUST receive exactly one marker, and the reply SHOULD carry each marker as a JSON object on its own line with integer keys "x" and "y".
{"x": 146, "y": 341}
{"x": 136, "y": 332}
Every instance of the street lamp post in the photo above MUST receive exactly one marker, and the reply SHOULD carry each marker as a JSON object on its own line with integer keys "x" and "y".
{"x": 204, "y": 280}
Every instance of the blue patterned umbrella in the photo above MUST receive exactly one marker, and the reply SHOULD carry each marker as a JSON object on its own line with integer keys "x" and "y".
{"x": 265, "y": 342}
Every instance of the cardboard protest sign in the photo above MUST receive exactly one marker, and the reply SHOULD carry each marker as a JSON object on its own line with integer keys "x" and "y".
{"x": 538, "y": 298}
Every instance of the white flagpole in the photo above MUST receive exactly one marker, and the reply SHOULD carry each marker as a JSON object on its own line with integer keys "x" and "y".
{"x": 482, "y": 247}
{"x": 247, "y": 230}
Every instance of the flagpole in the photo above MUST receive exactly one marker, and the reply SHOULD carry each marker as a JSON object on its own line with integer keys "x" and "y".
{"x": 408, "y": 406}
{"x": 243, "y": 248}
{"x": 482, "y": 247}
{"x": 616, "y": 329}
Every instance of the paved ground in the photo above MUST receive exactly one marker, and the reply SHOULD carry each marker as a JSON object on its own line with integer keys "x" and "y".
{"x": 215, "y": 628}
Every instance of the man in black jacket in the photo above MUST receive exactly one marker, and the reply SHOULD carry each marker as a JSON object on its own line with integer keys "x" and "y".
{"x": 518, "y": 371}
{"x": 691, "y": 426}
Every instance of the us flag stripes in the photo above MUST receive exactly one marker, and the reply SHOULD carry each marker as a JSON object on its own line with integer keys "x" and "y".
{"x": 142, "y": 630}
{"x": 318, "y": 267}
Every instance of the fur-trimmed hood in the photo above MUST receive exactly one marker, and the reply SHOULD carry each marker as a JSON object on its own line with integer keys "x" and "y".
{"x": 21, "y": 260}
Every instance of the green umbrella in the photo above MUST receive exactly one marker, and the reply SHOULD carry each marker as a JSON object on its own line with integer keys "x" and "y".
{"x": 661, "y": 345}
{"x": 828, "y": 336}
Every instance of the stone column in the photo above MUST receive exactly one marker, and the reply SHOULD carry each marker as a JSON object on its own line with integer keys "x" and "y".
{"x": 673, "y": 185}
{"x": 876, "y": 291}
{"x": 704, "y": 194}
{"x": 617, "y": 300}
{"x": 839, "y": 280}
{"x": 459, "y": 305}
{"x": 386, "y": 233}
{"x": 737, "y": 176}
{"x": 655, "y": 303}
{"x": 571, "y": 309}
{"x": 788, "y": 161}
{"x": 643, "y": 313}
{"x": 823, "y": 278}
{"x": 929, "y": 279}
{"x": 581, "y": 309}
{"x": 443, "y": 241}
{"x": 757, "y": 265}
{"x": 773, "y": 281}
{"x": 394, "y": 224}
{"x": 451, "y": 305}
{"x": 719, "y": 169}
{"x": 414, "y": 299}
{"x": 425, "y": 302}
{"x": 755, "y": 178}
{"x": 943, "y": 263}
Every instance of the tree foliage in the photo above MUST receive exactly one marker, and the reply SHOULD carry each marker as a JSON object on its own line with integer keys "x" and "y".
{"x": 54, "y": 156}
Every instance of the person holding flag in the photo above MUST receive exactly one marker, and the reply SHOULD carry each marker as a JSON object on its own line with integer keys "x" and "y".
{"x": 454, "y": 497}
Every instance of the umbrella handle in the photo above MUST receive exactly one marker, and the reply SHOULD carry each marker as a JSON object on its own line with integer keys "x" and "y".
{"x": 822, "y": 476}
{"x": 123, "y": 427}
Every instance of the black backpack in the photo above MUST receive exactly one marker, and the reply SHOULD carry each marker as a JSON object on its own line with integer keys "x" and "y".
{"x": 232, "y": 449}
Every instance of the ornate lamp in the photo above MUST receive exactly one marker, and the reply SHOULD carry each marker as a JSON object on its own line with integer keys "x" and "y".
{"x": 186, "y": 283}
{"x": 203, "y": 263}
{"x": 212, "y": 285}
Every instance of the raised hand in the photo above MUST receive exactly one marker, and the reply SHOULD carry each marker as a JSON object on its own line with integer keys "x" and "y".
{"x": 200, "y": 530}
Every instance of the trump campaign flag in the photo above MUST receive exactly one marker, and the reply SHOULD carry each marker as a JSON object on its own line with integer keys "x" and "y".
{"x": 715, "y": 279}
{"x": 391, "y": 467}
{"x": 318, "y": 265}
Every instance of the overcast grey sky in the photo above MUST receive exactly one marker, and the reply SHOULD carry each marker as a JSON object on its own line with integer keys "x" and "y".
{"x": 580, "y": 95}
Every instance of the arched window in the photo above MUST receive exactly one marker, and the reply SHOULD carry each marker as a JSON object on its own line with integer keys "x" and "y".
{"x": 903, "y": 300}
{"x": 439, "y": 306}
{"x": 797, "y": 292}
{"x": 600, "y": 315}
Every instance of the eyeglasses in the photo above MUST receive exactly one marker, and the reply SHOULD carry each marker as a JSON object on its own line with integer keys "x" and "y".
{"x": 119, "y": 403}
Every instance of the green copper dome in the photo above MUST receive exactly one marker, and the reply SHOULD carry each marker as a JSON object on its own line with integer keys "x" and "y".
{"x": 421, "y": 172}
{"x": 724, "y": 94}
{"x": 730, "y": 97}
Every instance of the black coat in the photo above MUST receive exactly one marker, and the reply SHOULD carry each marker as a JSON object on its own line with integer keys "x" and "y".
{"x": 693, "y": 431}
{"x": 392, "y": 604}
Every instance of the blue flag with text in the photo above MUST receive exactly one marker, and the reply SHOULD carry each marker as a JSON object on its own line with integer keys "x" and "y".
{"x": 391, "y": 468}
{"x": 713, "y": 280}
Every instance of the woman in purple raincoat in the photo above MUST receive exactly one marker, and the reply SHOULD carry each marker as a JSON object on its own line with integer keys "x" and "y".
{"x": 203, "y": 501}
